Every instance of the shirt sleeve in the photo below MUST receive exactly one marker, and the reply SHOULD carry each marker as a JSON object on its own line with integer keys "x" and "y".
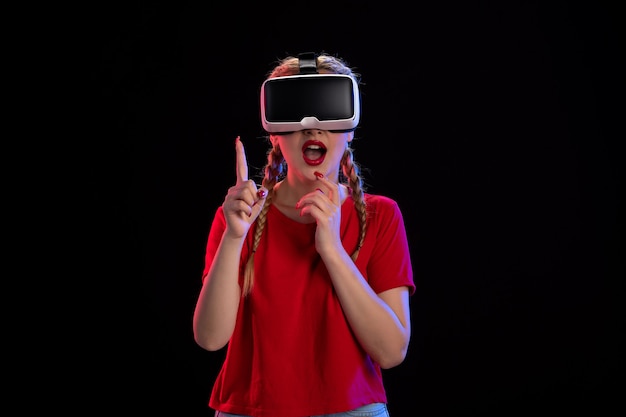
{"x": 390, "y": 265}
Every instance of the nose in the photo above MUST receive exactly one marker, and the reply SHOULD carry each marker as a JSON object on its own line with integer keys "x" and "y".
{"x": 312, "y": 131}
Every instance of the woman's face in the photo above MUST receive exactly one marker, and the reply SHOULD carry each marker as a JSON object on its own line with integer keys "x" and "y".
{"x": 310, "y": 150}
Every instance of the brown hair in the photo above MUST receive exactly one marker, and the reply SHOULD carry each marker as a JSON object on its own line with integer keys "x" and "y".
{"x": 275, "y": 167}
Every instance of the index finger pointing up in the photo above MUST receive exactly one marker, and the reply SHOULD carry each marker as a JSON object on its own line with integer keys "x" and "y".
{"x": 242, "y": 163}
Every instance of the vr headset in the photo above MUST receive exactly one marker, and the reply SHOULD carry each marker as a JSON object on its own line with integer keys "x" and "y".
{"x": 310, "y": 100}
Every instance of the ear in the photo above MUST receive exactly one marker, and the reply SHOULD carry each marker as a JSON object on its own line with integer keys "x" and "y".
{"x": 350, "y": 136}
{"x": 273, "y": 140}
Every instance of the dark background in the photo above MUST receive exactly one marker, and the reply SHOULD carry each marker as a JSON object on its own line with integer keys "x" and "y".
{"x": 496, "y": 126}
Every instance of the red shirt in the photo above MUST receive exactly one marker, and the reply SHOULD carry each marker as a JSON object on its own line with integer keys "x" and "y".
{"x": 292, "y": 352}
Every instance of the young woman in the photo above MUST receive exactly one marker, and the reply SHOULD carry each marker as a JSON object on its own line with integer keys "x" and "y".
{"x": 307, "y": 278}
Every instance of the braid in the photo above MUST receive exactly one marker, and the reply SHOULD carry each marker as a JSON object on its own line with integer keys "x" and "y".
{"x": 273, "y": 171}
{"x": 351, "y": 172}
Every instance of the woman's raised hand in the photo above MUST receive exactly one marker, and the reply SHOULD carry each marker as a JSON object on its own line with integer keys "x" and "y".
{"x": 244, "y": 201}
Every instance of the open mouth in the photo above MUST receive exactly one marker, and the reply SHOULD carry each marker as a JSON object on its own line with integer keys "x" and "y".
{"x": 313, "y": 152}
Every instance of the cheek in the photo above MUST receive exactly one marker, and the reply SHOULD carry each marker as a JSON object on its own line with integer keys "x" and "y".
{"x": 289, "y": 149}
{"x": 334, "y": 155}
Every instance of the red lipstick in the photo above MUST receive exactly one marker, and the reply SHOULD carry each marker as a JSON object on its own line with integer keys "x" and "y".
{"x": 313, "y": 152}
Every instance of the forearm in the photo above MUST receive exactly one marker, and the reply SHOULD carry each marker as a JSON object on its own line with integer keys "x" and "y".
{"x": 383, "y": 333}
{"x": 216, "y": 308}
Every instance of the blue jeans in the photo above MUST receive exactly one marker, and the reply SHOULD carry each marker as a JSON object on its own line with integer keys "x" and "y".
{"x": 370, "y": 410}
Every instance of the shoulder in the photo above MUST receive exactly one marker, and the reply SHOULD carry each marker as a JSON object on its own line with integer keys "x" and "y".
{"x": 380, "y": 202}
{"x": 382, "y": 210}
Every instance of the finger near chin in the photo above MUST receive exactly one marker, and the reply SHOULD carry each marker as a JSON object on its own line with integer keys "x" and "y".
{"x": 304, "y": 211}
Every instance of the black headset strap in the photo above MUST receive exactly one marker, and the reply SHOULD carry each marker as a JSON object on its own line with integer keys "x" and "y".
{"x": 308, "y": 62}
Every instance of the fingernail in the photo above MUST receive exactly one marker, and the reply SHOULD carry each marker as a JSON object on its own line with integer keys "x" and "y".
{"x": 261, "y": 193}
{"x": 319, "y": 174}
{"x": 320, "y": 190}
